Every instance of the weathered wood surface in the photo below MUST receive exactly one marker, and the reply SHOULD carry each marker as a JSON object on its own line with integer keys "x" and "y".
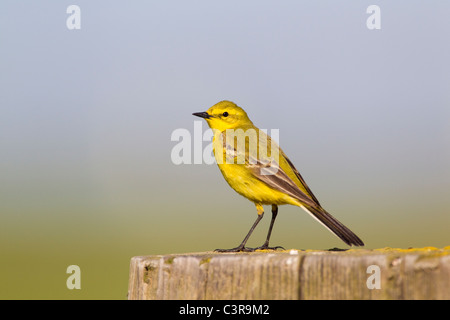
{"x": 403, "y": 274}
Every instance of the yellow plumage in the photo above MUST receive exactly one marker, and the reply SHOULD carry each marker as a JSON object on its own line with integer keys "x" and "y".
{"x": 256, "y": 168}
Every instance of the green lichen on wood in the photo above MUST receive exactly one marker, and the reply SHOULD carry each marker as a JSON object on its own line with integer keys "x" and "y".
{"x": 205, "y": 260}
{"x": 148, "y": 269}
{"x": 169, "y": 260}
{"x": 411, "y": 273}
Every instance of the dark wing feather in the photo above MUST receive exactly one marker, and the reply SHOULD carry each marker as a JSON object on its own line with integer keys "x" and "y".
{"x": 279, "y": 181}
{"x": 301, "y": 179}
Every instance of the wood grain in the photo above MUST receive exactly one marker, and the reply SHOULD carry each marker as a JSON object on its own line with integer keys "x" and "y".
{"x": 292, "y": 275}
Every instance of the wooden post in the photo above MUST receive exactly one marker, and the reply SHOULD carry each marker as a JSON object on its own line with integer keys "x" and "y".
{"x": 353, "y": 274}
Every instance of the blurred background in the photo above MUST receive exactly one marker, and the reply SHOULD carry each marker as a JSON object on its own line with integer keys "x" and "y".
{"x": 86, "y": 118}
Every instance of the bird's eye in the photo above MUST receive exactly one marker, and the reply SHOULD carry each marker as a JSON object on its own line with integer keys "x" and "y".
{"x": 225, "y": 114}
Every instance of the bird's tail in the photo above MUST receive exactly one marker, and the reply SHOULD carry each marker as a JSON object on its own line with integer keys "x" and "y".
{"x": 332, "y": 224}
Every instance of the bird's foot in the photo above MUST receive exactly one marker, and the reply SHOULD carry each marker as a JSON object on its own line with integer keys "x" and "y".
{"x": 266, "y": 247}
{"x": 237, "y": 249}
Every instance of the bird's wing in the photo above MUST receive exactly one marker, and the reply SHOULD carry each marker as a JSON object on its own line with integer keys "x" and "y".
{"x": 300, "y": 178}
{"x": 268, "y": 165}
{"x": 279, "y": 181}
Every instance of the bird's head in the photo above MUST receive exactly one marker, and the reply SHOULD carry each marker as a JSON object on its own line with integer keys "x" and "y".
{"x": 225, "y": 115}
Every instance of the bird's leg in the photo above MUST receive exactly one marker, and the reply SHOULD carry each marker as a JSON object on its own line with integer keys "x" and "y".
{"x": 242, "y": 247}
{"x": 265, "y": 246}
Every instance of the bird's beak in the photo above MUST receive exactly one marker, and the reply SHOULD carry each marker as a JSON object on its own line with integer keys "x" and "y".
{"x": 202, "y": 115}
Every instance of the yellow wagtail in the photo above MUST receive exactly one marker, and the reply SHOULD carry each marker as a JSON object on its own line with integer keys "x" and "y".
{"x": 256, "y": 168}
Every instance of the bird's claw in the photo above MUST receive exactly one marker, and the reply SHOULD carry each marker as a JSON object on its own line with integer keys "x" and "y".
{"x": 266, "y": 247}
{"x": 237, "y": 249}
{"x": 246, "y": 249}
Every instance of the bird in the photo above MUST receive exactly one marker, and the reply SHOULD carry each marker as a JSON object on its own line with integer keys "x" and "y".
{"x": 254, "y": 165}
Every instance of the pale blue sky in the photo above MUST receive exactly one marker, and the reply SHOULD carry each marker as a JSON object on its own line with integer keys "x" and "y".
{"x": 86, "y": 118}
